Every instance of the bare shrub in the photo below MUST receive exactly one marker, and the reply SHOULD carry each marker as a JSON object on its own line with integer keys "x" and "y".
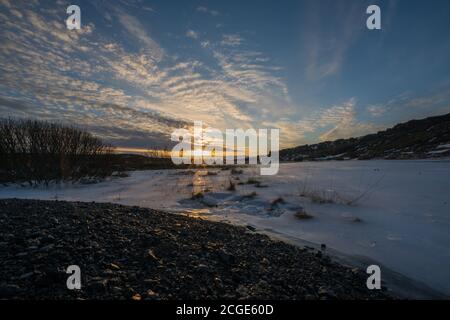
{"x": 40, "y": 152}
{"x": 231, "y": 186}
{"x": 249, "y": 196}
{"x": 278, "y": 201}
{"x": 323, "y": 196}
{"x": 302, "y": 215}
{"x": 197, "y": 196}
{"x": 253, "y": 181}
{"x": 236, "y": 171}
{"x": 275, "y": 203}
{"x": 332, "y": 196}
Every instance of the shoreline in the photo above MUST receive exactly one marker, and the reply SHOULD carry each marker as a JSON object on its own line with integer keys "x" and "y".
{"x": 397, "y": 284}
{"x": 381, "y": 224}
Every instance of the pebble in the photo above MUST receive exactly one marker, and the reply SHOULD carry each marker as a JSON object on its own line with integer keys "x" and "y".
{"x": 115, "y": 245}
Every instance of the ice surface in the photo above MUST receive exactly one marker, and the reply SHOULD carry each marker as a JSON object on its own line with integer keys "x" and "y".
{"x": 394, "y": 212}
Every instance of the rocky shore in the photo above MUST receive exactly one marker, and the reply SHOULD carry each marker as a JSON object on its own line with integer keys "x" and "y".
{"x": 136, "y": 253}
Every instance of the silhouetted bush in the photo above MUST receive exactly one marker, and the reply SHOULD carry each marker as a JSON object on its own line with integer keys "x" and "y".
{"x": 39, "y": 152}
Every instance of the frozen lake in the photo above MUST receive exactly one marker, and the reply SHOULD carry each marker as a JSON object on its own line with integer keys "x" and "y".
{"x": 396, "y": 213}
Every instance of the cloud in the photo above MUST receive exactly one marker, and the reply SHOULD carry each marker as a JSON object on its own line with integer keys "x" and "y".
{"x": 5, "y": 3}
{"x": 204, "y": 9}
{"x": 343, "y": 122}
{"x": 39, "y": 62}
{"x": 376, "y": 110}
{"x": 418, "y": 104}
{"x": 427, "y": 101}
{"x": 95, "y": 80}
{"x": 231, "y": 40}
{"x": 192, "y": 34}
{"x": 136, "y": 29}
{"x": 326, "y": 47}
{"x": 332, "y": 123}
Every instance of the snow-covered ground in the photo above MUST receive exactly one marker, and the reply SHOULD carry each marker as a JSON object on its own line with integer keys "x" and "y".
{"x": 396, "y": 213}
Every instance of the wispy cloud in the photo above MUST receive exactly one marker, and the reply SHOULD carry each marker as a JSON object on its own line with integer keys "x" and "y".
{"x": 127, "y": 80}
{"x": 135, "y": 28}
{"x": 93, "y": 80}
{"x": 331, "y": 123}
{"x": 327, "y": 44}
{"x": 376, "y": 110}
{"x": 207, "y": 10}
{"x": 192, "y": 34}
{"x": 343, "y": 122}
{"x": 231, "y": 40}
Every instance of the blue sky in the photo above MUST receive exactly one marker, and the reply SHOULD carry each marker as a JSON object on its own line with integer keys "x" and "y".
{"x": 137, "y": 70}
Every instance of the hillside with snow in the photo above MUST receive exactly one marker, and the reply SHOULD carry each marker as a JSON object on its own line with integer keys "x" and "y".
{"x": 415, "y": 139}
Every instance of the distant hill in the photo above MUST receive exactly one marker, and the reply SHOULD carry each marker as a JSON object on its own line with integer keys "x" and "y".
{"x": 415, "y": 139}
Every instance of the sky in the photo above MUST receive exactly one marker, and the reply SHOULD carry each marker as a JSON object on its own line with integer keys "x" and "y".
{"x": 138, "y": 70}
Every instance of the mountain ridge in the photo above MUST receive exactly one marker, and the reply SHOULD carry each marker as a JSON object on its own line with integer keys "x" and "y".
{"x": 414, "y": 139}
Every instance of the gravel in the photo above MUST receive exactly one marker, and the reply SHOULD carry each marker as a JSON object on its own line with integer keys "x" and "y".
{"x": 137, "y": 253}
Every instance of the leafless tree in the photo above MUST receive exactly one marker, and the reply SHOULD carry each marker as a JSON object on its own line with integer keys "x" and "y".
{"x": 39, "y": 152}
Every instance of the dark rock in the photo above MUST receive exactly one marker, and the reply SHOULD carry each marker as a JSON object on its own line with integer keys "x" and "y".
{"x": 9, "y": 290}
{"x": 125, "y": 252}
{"x": 226, "y": 257}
